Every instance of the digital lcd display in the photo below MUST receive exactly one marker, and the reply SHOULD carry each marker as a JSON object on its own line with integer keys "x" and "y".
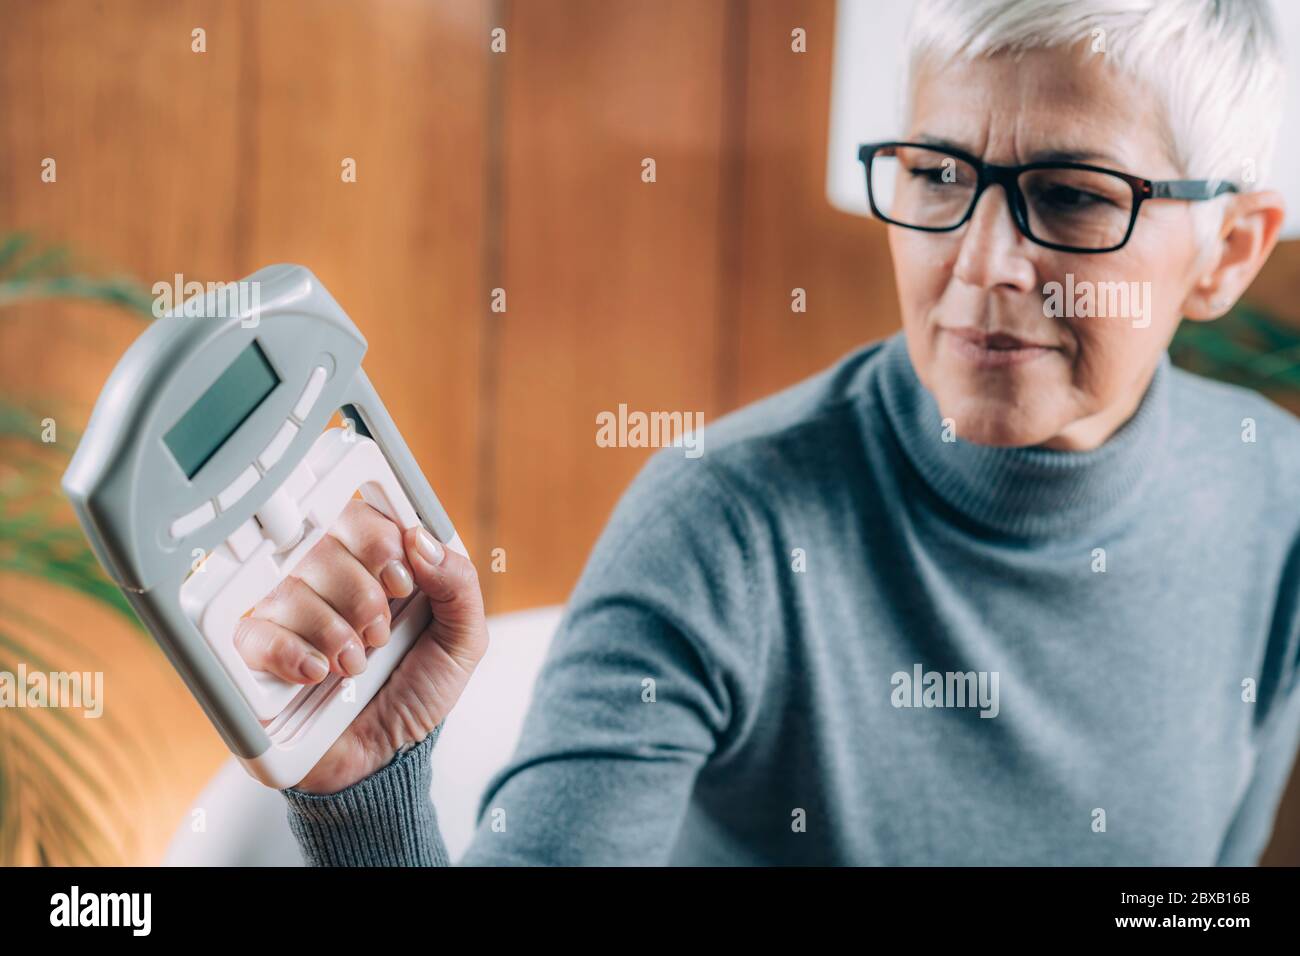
{"x": 220, "y": 410}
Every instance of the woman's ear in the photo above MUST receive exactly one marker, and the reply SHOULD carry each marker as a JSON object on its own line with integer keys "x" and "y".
{"x": 1250, "y": 229}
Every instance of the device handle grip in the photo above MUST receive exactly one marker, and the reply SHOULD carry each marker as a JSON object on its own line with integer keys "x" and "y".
{"x": 385, "y": 495}
{"x": 344, "y": 465}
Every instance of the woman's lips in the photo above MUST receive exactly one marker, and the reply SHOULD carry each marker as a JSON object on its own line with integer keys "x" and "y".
{"x": 995, "y": 349}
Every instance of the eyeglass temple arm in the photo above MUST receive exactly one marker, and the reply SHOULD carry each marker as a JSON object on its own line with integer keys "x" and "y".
{"x": 1191, "y": 188}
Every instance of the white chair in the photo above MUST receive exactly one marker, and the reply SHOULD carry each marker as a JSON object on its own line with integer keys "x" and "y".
{"x": 245, "y": 823}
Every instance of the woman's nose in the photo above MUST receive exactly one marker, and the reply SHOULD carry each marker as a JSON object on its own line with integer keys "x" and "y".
{"x": 993, "y": 250}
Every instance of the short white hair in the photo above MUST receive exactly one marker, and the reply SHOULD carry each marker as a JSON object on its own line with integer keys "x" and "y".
{"x": 1215, "y": 67}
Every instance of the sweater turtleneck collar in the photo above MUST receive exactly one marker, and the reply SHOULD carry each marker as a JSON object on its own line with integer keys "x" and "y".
{"x": 1031, "y": 491}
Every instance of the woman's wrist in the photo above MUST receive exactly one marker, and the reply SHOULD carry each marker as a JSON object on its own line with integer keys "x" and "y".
{"x": 325, "y": 780}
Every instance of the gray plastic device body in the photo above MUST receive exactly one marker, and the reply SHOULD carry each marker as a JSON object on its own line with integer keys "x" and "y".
{"x": 127, "y": 488}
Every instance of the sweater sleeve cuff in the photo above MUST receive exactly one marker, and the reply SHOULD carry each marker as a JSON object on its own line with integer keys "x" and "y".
{"x": 385, "y": 819}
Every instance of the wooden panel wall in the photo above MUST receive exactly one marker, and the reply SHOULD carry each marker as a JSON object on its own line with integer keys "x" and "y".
{"x": 612, "y": 282}
{"x": 787, "y": 233}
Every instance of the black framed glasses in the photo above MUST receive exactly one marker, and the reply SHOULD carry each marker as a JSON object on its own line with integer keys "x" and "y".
{"x": 1072, "y": 207}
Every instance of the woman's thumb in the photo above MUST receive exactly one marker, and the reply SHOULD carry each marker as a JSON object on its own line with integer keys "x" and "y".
{"x": 449, "y": 579}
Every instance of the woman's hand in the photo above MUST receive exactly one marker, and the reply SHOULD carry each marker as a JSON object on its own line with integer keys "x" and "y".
{"x": 321, "y": 619}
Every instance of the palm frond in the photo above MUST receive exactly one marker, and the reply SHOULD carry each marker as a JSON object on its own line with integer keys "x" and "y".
{"x": 31, "y": 271}
{"x": 52, "y": 804}
{"x": 1245, "y": 347}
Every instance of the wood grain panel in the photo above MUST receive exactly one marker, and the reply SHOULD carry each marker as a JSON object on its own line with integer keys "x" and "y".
{"x": 612, "y": 283}
{"x": 789, "y": 235}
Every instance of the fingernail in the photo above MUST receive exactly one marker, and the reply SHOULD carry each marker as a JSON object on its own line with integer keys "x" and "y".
{"x": 314, "y": 667}
{"x": 352, "y": 658}
{"x": 430, "y": 548}
{"x": 376, "y": 632}
{"x": 397, "y": 579}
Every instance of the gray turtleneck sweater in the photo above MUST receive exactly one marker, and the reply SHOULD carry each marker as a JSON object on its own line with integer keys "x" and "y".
{"x": 839, "y": 638}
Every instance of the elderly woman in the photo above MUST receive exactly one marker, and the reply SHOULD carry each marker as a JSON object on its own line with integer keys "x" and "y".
{"x": 1004, "y": 588}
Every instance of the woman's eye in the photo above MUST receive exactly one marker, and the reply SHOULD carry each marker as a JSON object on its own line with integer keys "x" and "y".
{"x": 933, "y": 174}
{"x": 1064, "y": 197}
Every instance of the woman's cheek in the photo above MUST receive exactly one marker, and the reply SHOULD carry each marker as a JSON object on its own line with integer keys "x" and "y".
{"x": 1098, "y": 366}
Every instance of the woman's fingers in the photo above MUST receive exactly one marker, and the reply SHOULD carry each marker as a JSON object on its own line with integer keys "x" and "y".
{"x": 376, "y": 542}
{"x": 293, "y": 627}
{"x": 336, "y": 601}
{"x": 335, "y": 573}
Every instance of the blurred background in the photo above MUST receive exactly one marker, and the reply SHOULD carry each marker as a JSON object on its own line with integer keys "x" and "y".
{"x": 475, "y": 170}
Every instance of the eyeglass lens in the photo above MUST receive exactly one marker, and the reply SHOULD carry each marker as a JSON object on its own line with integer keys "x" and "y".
{"x": 1084, "y": 209}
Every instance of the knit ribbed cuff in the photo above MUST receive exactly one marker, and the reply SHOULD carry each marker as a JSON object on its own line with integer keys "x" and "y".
{"x": 385, "y": 819}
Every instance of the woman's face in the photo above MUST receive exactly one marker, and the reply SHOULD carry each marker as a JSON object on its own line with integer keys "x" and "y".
{"x": 1087, "y": 374}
